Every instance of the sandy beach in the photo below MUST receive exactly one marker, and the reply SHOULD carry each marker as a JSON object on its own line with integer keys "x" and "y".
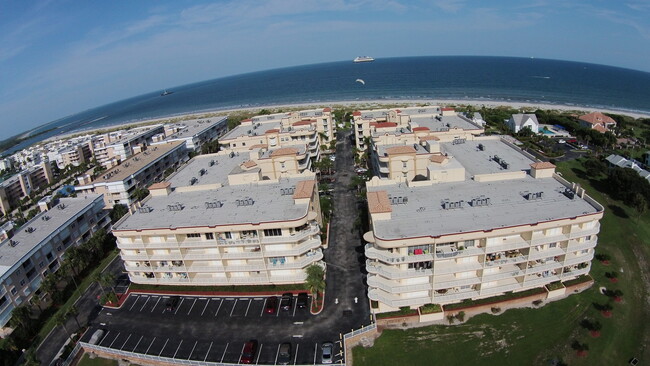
{"x": 365, "y": 104}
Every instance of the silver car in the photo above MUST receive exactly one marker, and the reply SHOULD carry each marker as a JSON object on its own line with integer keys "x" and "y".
{"x": 328, "y": 350}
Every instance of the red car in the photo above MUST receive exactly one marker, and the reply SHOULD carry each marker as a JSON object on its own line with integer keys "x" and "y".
{"x": 271, "y": 305}
{"x": 248, "y": 354}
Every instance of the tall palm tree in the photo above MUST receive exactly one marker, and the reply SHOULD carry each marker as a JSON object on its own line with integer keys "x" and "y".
{"x": 74, "y": 312}
{"x": 36, "y": 300}
{"x": 315, "y": 280}
{"x": 108, "y": 279}
{"x": 60, "y": 319}
{"x": 20, "y": 316}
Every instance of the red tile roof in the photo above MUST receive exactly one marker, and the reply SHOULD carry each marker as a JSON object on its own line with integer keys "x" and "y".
{"x": 275, "y": 130}
{"x": 284, "y": 152}
{"x": 542, "y": 165}
{"x": 257, "y": 146}
{"x": 327, "y": 109}
{"x": 304, "y": 189}
{"x": 383, "y": 124}
{"x": 160, "y": 185}
{"x": 249, "y": 164}
{"x": 356, "y": 113}
{"x": 304, "y": 122}
{"x": 378, "y": 202}
{"x": 416, "y": 129}
{"x": 448, "y": 109}
{"x": 396, "y": 150}
{"x": 439, "y": 159}
{"x": 597, "y": 118}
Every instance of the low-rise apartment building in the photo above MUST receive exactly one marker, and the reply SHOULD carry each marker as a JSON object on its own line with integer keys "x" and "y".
{"x": 119, "y": 183}
{"x": 231, "y": 218}
{"x": 195, "y": 132}
{"x": 39, "y": 247}
{"x": 23, "y": 184}
{"x": 482, "y": 219}
{"x": 310, "y": 127}
{"x": 111, "y": 148}
{"x": 411, "y": 125}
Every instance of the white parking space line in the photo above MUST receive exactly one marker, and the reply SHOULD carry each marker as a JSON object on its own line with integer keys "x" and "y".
{"x": 233, "y": 307}
{"x": 124, "y": 344}
{"x": 163, "y": 347}
{"x": 315, "y": 352}
{"x": 156, "y": 304}
{"x": 224, "y": 352}
{"x": 248, "y": 307}
{"x": 207, "y": 353}
{"x": 145, "y": 303}
{"x": 114, "y": 339}
{"x": 135, "y": 302}
{"x": 259, "y": 352}
{"x": 151, "y": 344}
{"x": 276, "y": 355}
{"x": 241, "y": 352}
{"x": 263, "y": 308}
{"x": 192, "y": 307}
{"x": 105, "y": 337}
{"x": 190, "y": 357}
{"x": 177, "y": 348}
{"x": 205, "y": 307}
{"x": 294, "y": 308}
{"x": 295, "y": 357}
{"x": 179, "y": 305}
{"x": 258, "y": 298}
{"x": 137, "y": 344}
{"x": 219, "y": 308}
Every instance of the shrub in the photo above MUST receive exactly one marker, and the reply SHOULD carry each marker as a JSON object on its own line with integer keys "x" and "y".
{"x": 430, "y": 308}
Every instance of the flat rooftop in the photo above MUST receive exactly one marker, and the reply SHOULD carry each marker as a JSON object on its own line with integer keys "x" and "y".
{"x": 135, "y": 163}
{"x": 257, "y": 129}
{"x": 215, "y": 167}
{"x": 269, "y": 205}
{"x": 442, "y": 123}
{"x": 385, "y": 150}
{"x": 135, "y": 133}
{"x": 56, "y": 218}
{"x": 478, "y": 161}
{"x": 195, "y": 126}
{"x": 424, "y": 214}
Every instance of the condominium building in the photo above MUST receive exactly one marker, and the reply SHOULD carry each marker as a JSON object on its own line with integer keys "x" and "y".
{"x": 75, "y": 155}
{"x": 411, "y": 125}
{"x": 310, "y": 127}
{"x": 111, "y": 148}
{"x": 119, "y": 183}
{"x": 195, "y": 132}
{"x": 483, "y": 218}
{"x": 39, "y": 246}
{"x": 23, "y": 184}
{"x": 225, "y": 219}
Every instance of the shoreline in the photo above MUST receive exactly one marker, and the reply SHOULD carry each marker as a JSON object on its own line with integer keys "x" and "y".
{"x": 366, "y": 104}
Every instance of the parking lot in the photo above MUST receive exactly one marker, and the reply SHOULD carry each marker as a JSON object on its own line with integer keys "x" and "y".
{"x": 212, "y": 329}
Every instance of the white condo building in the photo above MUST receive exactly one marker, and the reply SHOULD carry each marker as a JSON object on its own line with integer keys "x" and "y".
{"x": 483, "y": 219}
{"x": 231, "y": 218}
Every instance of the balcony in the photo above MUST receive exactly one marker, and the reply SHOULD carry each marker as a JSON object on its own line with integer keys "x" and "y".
{"x": 454, "y": 267}
{"x": 572, "y": 259}
{"x": 545, "y": 253}
{"x": 166, "y": 257}
{"x": 539, "y": 267}
{"x": 511, "y": 285}
{"x": 452, "y": 296}
{"x": 574, "y": 246}
{"x": 574, "y": 273}
{"x": 391, "y": 287}
{"x": 302, "y": 262}
{"x": 394, "y": 273}
{"x": 294, "y": 251}
{"x": 240, "y": 241}
{"x": 543, "y": 239}
{"x": 532, "y": 281}
{"x": 508, "y": 244}
{"x": 134, "y": 257}
{"x": 511, "y": 260}
{"x": 396, "y": 301}
{"x": 295, "y": 237}
{"x": 504, "y": 273}
{"x": 593, "y": 231}
{"x": 243, "y": 254}
{"x": 455, "y": 282}
{"x": 201, "y": 256}
{"x": 259, "y": 266}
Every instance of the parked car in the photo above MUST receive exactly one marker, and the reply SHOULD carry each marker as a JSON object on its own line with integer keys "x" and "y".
{"x": 172, "y": 303}
{"x": 328, "y": 350}
{"x": 285, "y": 303}
{"x": 284, "y": 354}
{"x": 249, "y": 352}
{"x": 302, "y": 300}
{"x": 271, "y": 305}
{"x": 561, "y": 141}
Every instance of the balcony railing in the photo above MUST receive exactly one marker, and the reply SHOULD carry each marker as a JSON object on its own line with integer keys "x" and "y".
{"x": 395, "y": 301}
{"x": 391, "y": 287}
{"x": 499, "y": 289}
{"x": 395, "y": 273}
{"x": 454, "y": 296}
{"x": 296, "y": 236}
{"x": 501, "y": 275}
{"x": 294, "y": 251}
{"x": 438, "y": 285}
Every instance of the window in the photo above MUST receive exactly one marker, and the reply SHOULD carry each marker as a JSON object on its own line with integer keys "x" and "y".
{"x": 58, "y": 249}
{"x": 552, "y": 245}
{"x": 227, "y": 235}
{"x": 193, "y": 235}
{"x": 272, "y": 232}
{"x": 209, "y": 236}
{"x": 418, "y": 249}
{"x": 469, "y": 243}
{"x": 282, "y": 165}
{"x": 13, "y": 290}
{"x": 41, "y": 264}
{"x": 3, "y": 300}
{"x": 22, "y": 283}
{"x": 403, "y": 164}
{"x": 421, "y": 265}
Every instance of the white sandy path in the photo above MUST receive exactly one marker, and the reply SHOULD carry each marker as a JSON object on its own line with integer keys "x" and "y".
{"x": 369, "y": 104}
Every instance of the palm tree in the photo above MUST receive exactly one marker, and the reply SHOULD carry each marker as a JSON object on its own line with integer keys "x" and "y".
{"x": 36, "y": 300}
{"x": 49, "y": 284}
{"x": 97, "y": 277}
{"x": 315, "y": 280}
{"x": 60, "y": 319}
{"x": 20, "y": 316}
{"x": 108, "y": 280}
{"x": 74, "y": 312}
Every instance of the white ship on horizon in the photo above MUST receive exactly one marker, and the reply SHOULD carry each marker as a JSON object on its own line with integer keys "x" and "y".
{"x": 364, "y": 59}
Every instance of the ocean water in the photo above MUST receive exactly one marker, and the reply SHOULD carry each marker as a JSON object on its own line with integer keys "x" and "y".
{"x": 453, "y": 77}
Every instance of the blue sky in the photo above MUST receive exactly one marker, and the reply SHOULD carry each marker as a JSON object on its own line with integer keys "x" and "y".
{"x": 60, "y": 57}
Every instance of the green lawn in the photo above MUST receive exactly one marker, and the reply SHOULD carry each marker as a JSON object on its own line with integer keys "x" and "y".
{"x": 87, "y": 361}
{"x": 534, "y": 336}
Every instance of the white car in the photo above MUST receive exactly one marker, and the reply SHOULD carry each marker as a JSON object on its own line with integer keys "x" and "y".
{"x": 332, "y": 157}
{"x": 561, "y": 142}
